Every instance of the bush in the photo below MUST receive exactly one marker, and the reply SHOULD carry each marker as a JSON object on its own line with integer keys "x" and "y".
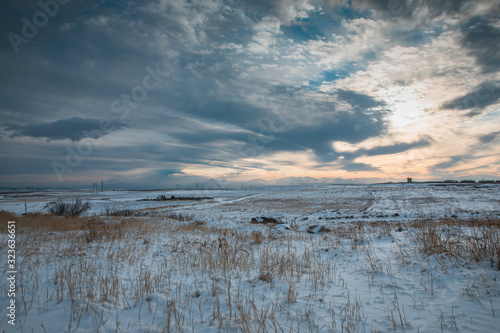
{"x": 74, "y": 208}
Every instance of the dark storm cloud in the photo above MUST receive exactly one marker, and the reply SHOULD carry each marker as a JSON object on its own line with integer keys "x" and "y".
{"x": 218, "y": 96}
{"x": 237, "y": 113}
{"x": 257, "y": 135}
{"x": 164, "y": 153}
{"x": 453, "y": 161}
{"x": 385, "y": 150}
{"x": 74, "y": 129}
{"x": 350, "y": 127}
{"x": 407, "y": 8}
{"x": 358, "y": 100}
{"x": 77, "y": 64}
{"x": 487, "y": 138}
{"x": 353, "y": 167}
{"x": 482, "y": 39}
{"x": 396, "y": 148}
{"x": 211, "y": 135}
{"x": 168, "y": 172}
{"x": 482, "y": 96}
{"x": 23, "y": 157}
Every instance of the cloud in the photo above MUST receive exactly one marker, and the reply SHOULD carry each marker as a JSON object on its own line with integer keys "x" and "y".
{"x": 479, "y": 36}
{"x": 284, "y": 10}
{"x": 74, "y": 129}
{"x": 487, "y": 138}
{"x": 481, "y": 97}
{"x": 353, "y": 167}
{"x": 350, "y": 127}
{"x": 378, "y": 75}
{"x": 421, "y": 10}
{"x": 396, "y": 148}
{"x": 358, "y": 100}
{"x": 452, "y": 161}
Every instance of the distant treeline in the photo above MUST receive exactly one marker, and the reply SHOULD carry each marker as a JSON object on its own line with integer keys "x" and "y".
{"x": 173, "y": 197}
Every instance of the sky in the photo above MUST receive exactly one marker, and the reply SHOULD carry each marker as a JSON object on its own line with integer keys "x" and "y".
{"x": 157, "y": 94}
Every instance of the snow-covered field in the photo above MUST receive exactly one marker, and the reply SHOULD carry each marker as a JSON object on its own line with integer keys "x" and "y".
{"x": 332, "y": 203}
{"x": 373, "y": 269}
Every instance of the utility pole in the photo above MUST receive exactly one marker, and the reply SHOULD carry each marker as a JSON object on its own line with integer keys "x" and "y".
{"x": 102, "y": 185}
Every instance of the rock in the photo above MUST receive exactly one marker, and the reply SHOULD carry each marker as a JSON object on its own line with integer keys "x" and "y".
{"x": 282, "y": 227}
{"x": 316, "y": 229}
{"x": 257, "y": 220}
{"x": 264, "y": 220}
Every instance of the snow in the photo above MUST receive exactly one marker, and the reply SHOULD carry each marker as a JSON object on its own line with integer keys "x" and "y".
{"x": 230, "y": 275}
{"x": 335, "y": 202}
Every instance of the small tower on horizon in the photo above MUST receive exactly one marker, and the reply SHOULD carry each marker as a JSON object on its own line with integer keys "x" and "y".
{"x": 409, "y": 180}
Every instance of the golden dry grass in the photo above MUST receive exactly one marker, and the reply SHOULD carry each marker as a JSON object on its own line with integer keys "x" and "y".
{"x": 476, "y": 239}
{"x": 139, "y": 257}
{"x": 40, "y": 221}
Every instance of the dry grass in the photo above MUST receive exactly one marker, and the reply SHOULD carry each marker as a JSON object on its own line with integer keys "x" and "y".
{"x": 147, "y": 212}
{"x": 470, "y": 240}
{"x": 122, "y": 261}
{"x": 355, "y": 231}
{"x": 257, "y": 237}
{"x": 41, "y": 222}
{"x": 249, "y": 282}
